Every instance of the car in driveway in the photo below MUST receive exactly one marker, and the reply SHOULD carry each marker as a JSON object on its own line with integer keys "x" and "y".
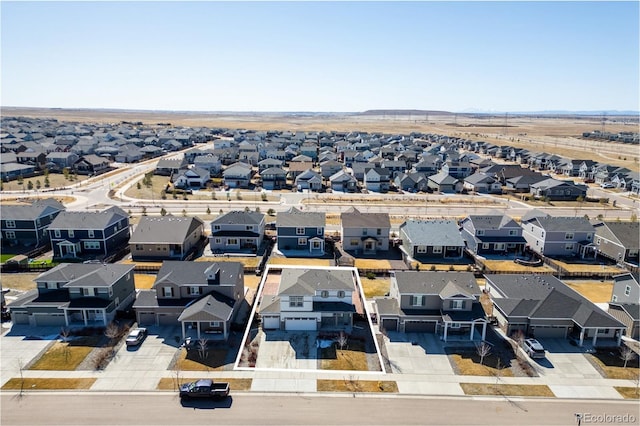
{"x": 533, "y": 348}
{"x": 136, "y": 336}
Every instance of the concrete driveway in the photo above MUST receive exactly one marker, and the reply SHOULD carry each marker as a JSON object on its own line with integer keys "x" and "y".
{"x": 417, "y": 353}
{"x": 288, "y": 350}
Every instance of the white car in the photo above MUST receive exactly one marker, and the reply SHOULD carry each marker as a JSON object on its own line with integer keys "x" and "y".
{"x": 136, "y": 336}
{"x": 533, "y": 348}
{"x": 607, "y": 185}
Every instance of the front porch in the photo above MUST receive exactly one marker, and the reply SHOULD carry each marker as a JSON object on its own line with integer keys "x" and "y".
{"x": 85, "y": 317}
{"x": 67, "y": 249}
{"x": 597, "y": 336}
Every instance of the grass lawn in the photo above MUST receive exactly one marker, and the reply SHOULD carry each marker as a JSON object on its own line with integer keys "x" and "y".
{"x": 302, "y": 261}
{"x": 357, "y": 386}
{"x": 514, "y": 268}
{"x": 628, "y": 392}
{"x": 468, "y": 364}
{"x": 56, "y": 180}
{"x": 251, "y": 281}
{"x": 66, "y": 356}
{"x": 595, "y": 291}
{"x": 191, "y": 360}
{"x": 352, "y": 357}
{"x": 587, "y": 267}
{"x": 29, "y": 384}
{"x": 372, "y": 264}
{"x": 375, "y": 287}
{"x": 144, "y": 281}
{"x": 248, "y": 262}
{"x": 21, "y": 281}
{"x": 510, "y": 390}
{"x": 169, "y": 383}
{"x": 6, "y": 256}
{"x": 611, "y": 365}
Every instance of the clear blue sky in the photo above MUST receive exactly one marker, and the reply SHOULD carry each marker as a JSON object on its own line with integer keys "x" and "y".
{"x": 326, "y": 56}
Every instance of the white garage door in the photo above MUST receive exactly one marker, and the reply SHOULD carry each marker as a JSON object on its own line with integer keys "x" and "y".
{"x": 270, "y": 323}
{"x": 300, "y": 324}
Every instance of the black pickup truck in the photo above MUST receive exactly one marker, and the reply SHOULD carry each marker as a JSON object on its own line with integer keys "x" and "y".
{"x": 204, "y": 388}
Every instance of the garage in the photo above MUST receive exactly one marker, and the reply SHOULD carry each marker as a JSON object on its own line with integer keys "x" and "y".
{"x": 300, "y": 324}
{"x": 271, "y": 323}
{"x": 47, "y": 320}
{"x": 549, "y": 331}
{"x": 390, "y": 324}
{"x": 20, "y": 317}
{"x": 167, "y": 319}
{"x": 146, "y": 318}
{"x": 419, "y": 326}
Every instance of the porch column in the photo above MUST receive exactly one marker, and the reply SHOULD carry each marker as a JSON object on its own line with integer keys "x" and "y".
{"x": 224, "y": 329}
{"x": 182, "y": 324}
{"x": 595, "y": 337}
{"x": 84, "y": 317}
{"x": 473, "y": 328}
{"x": 66, "y": 318}
{"x": 581, "y": 337}
{"x": 619, "y": 337}
{"x": 446, "y": 327}
{"x": 484, "y": 329}
{"x": 104, "y": 317}
{"x": 198, "y": 328}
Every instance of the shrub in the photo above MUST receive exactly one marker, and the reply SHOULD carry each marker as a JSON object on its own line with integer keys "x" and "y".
{"x": 370, "y": 275}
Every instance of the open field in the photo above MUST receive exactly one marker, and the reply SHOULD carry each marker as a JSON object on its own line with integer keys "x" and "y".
{"x": 56, "y": 180}
{"x": 553, "y": 134}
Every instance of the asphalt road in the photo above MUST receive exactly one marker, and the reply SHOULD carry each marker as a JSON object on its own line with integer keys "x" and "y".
{"x": 92, "y": 408}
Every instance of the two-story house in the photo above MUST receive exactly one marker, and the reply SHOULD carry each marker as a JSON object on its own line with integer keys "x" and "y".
{"x": 310, "y": 299}
{"x": 237, "y": 232}
{"x": 308, "y": 180}
{"x": 364, "y": 233}
{"x": 487, "y": 234}
{"x": 166, "y": 237}
{"x": 302, "y": 232}
{"x": 89, "y": 234}
{"x": 76, "y": 294}
{"x": 431, "y": 240}
{"x": 444, "y": 303}
{"x": 237, "y": 175}
{"x": 625, "y": 302}
{"x": 273, "y": 178}
{"x": 204, "y": 297}
{"x": 618, "y": 240}
{"x": 25, "y": 225}
{"x": 558, "y": 236}
{"x": 377, "y": 179}
{"x": 343, "y": 182}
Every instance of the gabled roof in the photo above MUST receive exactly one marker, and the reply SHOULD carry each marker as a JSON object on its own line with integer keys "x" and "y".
{"x": 353, "y": 218}
{"x": 238, "y": 217}
{"x": 444, "y": 284}
{"x": 625, "y": 232}
{"x": 492, "y": 222}
{"x": 301, "y": 282}
{"x": 443, "y": 178}
{"x": 195, "y": 273}
{"x": 85, "y": 275}
{"x": 164, "y": 229}
{"x": 212, "y": 307}
{"x": 33, "y": 211}
{"x": 479, "y": 178}
{"x": 297, "y": 218}
{"x": 561, "y": 223}
{"x": 88, "y": 220}
{"x": 432, "y": 232}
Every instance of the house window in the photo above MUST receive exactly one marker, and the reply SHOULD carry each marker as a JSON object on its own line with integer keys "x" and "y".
{"x": 299, "y": 231}
{"x": 52, "y": 286}
{"x": 320, "y": 231}
{"x": 232, "y": 242}
{"x": 56, "y": 233}
{"x": 513, "y": 232}
{"x": 480, "y": 232}
{"x": 340, "y": 294}
{"x": 115, "y": 229}
{"x": 216, "y": 227}
{"x": 603, "y": 331}
{"x": 568, "y": 246}
{"x": 194, "y": 290}
{"x": 110, "y": 292}
{"x": 378, "y": 231}
{"x": 249, "y": 228}
{"x": 417, "y": 300}
{"x": 90, "y": 233}
{"x": 139, "y": 247}
{"x": 485, "y": 246}
{"x": 10, "y": 223}
{"x": 421, "y": 249}
{"x": 315, "y": 245}
{"x": 10, "y": 235}
{"x": 215, "y": 324}
{"x": 296, "y": 301}
{"x": 364, "y": 231}
{"x": 302, "y": 241}
{"x": 627, "y": 290}
{"x": 91, "y": 245}
{"x": 355, "y": 242}
{"x": 167, "y": 291}
{"x": 71, "y": 233}
{"x": 568, "y": 236}
{"x": 598, "y": 241}
{"x": 38, "y": 222}
{"x": 86, "y": 291}
{"x": 437, "y": 249}
{"x": 589, "y": 237}
{"x": 614, "y": 298}
{"x": 499, "y": 246}
{"x": 218, "y": 240}
{"x": 324, "y": 294}
{"x": 457, "y": 304}
{"x": 455, "y": 325}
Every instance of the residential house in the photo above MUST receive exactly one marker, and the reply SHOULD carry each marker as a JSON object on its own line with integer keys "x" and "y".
{"x": 618, "y": 241}
{"x": 33, "y": 158}
{"x": 125, "y": 154}
{"x": 329, "y": 168}
{"x": 267, "y": 163}
{"x": 558, "y": 190}
{"x": 431, "y": 240}
{"x": 443, "y": 303}
{"x": 443, "y": 182}
{"x": 237, "y": 175}
{"x": 482, "y": 183}
{"x": 237, "y": 232}
{"x": 76, "y": 294}
{"x": 298, "y": 167}
{"x": 377, "y": 179}
{"x": 545, "y": 307}
{"x": 166, "y": 238}
{"x": 558, "y": 236}
{"x": 364, "y": 233}
{"x": 170, "y": 166}
{"x": 625, "y": 302}
{"x": 493, "y": 233}
{"x": 204, "y": 297}
{"x": 57, "y": 161}
{"x": 274, "y": 178}
{"x": 91, "y": 165}
{"x": 26, "y": 224}
{"x": 300, "y": 231}
{"x": 523, "y": 183}
{"x": 194, "y": 177}
{"x": 459, "y": 169}
{"x": 343, "y": 182}
{"x": 78, "y": 235}
{"x": 411, "y": 182}
{"x": 308, "y": 180}
{"x": 311, "y": 299}
{"x": 12, "y": 171}
{"x": 208, "y": 162}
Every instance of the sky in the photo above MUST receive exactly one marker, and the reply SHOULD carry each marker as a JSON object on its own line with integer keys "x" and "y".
{"x": 321, "y": 56}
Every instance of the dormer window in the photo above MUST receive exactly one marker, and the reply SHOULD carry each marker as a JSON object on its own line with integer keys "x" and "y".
{"x": 457, "y": 304}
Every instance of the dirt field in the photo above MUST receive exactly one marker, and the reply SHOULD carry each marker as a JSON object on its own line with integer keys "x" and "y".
{"x": 558, "y": 135}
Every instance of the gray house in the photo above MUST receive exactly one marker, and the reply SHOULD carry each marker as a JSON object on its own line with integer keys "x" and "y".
{"x": 544, "y": 306}
{"x": 557, "y": 190}
{"x": 26, "y": 224}
{"x": 625, "y": 302}
{"x": 300, "y": 231}
{"x": 488, "y": 234}
{"x": 444, "y": 303}
{"x": 558, "y": 236}
{"x": 237, "y": 232}
{"x": 618, "y": 240}
{"x": 343, "y": 182}
{"x": 443, "y": 182}
{"x": 364, "y": 233}
{"x": 431, "y": 240}
{"x": 203, "y": 297}
{"x": 237, "y": 175}
{"x": 75, "y": 294}
{"x": 166, "y": 238}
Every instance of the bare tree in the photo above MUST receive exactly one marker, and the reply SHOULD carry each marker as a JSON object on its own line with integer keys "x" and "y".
{"x": 202, "y": 348}
{"x": 342, "y": 339}
{"x": 21, "y": 368}
{"x": 112, "y": 331}
{"x": 627, "y": 354}
{"x": 483, "y": 349}
{"x": 64, "y": 333}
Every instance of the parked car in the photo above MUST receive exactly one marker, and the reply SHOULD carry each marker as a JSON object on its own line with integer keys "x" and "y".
{"x": 204, "y": 388}
{"x": 533, "y": 348}
{"x": 136, "y": 336}
{"x": 607, "y": 185}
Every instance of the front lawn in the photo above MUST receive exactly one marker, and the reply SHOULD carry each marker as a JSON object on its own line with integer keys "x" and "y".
{"x": 169, "y": 383}
{"x": 611, "y": 365}
{"x": 16, "y": 383}
{"x": 349, "y": 385}
{"x": 352, "y": 357}
{"x": 467, "y": 363}
{"x": 67, "y": 356}
{"x": 191, "y": 360}
{"x": 628, "y": 392}
{"x": 506, "y": 390}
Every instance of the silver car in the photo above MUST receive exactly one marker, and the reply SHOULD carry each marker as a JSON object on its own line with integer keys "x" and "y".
{"x": 136, "y": 336}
